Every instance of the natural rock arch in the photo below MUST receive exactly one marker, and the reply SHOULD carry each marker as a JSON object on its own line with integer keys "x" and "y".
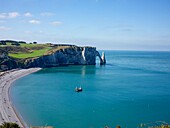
{"x": 102, "y": 58}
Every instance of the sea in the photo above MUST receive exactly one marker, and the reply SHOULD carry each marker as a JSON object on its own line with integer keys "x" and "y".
{"x": 132, "y": 89}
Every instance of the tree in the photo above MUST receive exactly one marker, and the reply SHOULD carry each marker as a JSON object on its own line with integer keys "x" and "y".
{"x": 34, "y": 42}
{"x": 21, "y": 42}
{"x": 9, "y": 125}
{"x": 2, "y": 42}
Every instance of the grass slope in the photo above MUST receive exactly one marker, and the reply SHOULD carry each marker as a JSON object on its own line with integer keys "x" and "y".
{"x": 24, "y": 51}
{"x": 29, "y": 50}
{"x": 34, "y": 53}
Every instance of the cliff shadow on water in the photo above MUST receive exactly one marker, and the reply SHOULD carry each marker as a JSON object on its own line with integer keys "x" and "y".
{"x": 71, "y": 69}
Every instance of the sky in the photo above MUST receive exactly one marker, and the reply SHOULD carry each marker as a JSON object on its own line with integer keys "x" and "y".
{"x": 105, "y": 24}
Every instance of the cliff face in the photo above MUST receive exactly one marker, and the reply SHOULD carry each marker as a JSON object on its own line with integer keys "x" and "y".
{"x": 6, "y": 62}
{"x": 70, "y": 56}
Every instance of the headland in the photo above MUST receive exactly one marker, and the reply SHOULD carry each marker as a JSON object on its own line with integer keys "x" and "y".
{"x": 19, "y": 54}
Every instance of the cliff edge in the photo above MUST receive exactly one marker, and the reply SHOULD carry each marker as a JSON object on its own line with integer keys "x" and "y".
{"x": 46, "y": 55}
{"x": 72, "y": 55}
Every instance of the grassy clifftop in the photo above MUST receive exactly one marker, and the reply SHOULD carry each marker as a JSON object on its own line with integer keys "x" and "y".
{"x": 29, "y": 50}
{"x": 23, "y": 50}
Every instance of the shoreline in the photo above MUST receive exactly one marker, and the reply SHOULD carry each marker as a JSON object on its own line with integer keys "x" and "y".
{"x": 8, "y": 112}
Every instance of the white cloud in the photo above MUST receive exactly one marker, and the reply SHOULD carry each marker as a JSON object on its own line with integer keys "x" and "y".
{"x": 4, "y": 28}
{"x": 9, "y": 15}
{"x": 34, "y": 21}
{"x": 28, "y": 14}
{"x": 56, "y": 23}
{"x": 13, "y": 14}
{"x": 47, "y": 14}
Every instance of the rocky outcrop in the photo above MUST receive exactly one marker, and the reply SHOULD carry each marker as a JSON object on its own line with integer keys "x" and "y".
{"x": 102, "y": 58}
{"x": 6, "y": 62}
{"x": 69, "y": 56}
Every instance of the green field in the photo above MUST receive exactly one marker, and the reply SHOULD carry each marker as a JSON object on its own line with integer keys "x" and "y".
{"x": 34, "y": 53}
{"x": 24, "y": 51}
{"x": 33, "y": 45}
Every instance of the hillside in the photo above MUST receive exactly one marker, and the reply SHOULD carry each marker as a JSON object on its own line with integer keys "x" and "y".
{"x": 24, "y": 50}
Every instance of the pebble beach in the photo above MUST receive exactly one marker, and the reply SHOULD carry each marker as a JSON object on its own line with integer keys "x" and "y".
{"x": 7, "y": 110}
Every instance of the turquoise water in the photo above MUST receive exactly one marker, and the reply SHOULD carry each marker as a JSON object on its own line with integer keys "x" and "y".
{"x": 133, "y": 88}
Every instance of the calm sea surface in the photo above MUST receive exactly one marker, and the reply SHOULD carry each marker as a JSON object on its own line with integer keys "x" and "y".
{"x": 133, "y": 88}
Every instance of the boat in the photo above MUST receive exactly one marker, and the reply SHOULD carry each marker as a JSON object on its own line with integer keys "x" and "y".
{"x": 78, "y": 89}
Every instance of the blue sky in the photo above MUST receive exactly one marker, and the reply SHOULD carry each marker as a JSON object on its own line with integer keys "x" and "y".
{"x": 106, "y": 24}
